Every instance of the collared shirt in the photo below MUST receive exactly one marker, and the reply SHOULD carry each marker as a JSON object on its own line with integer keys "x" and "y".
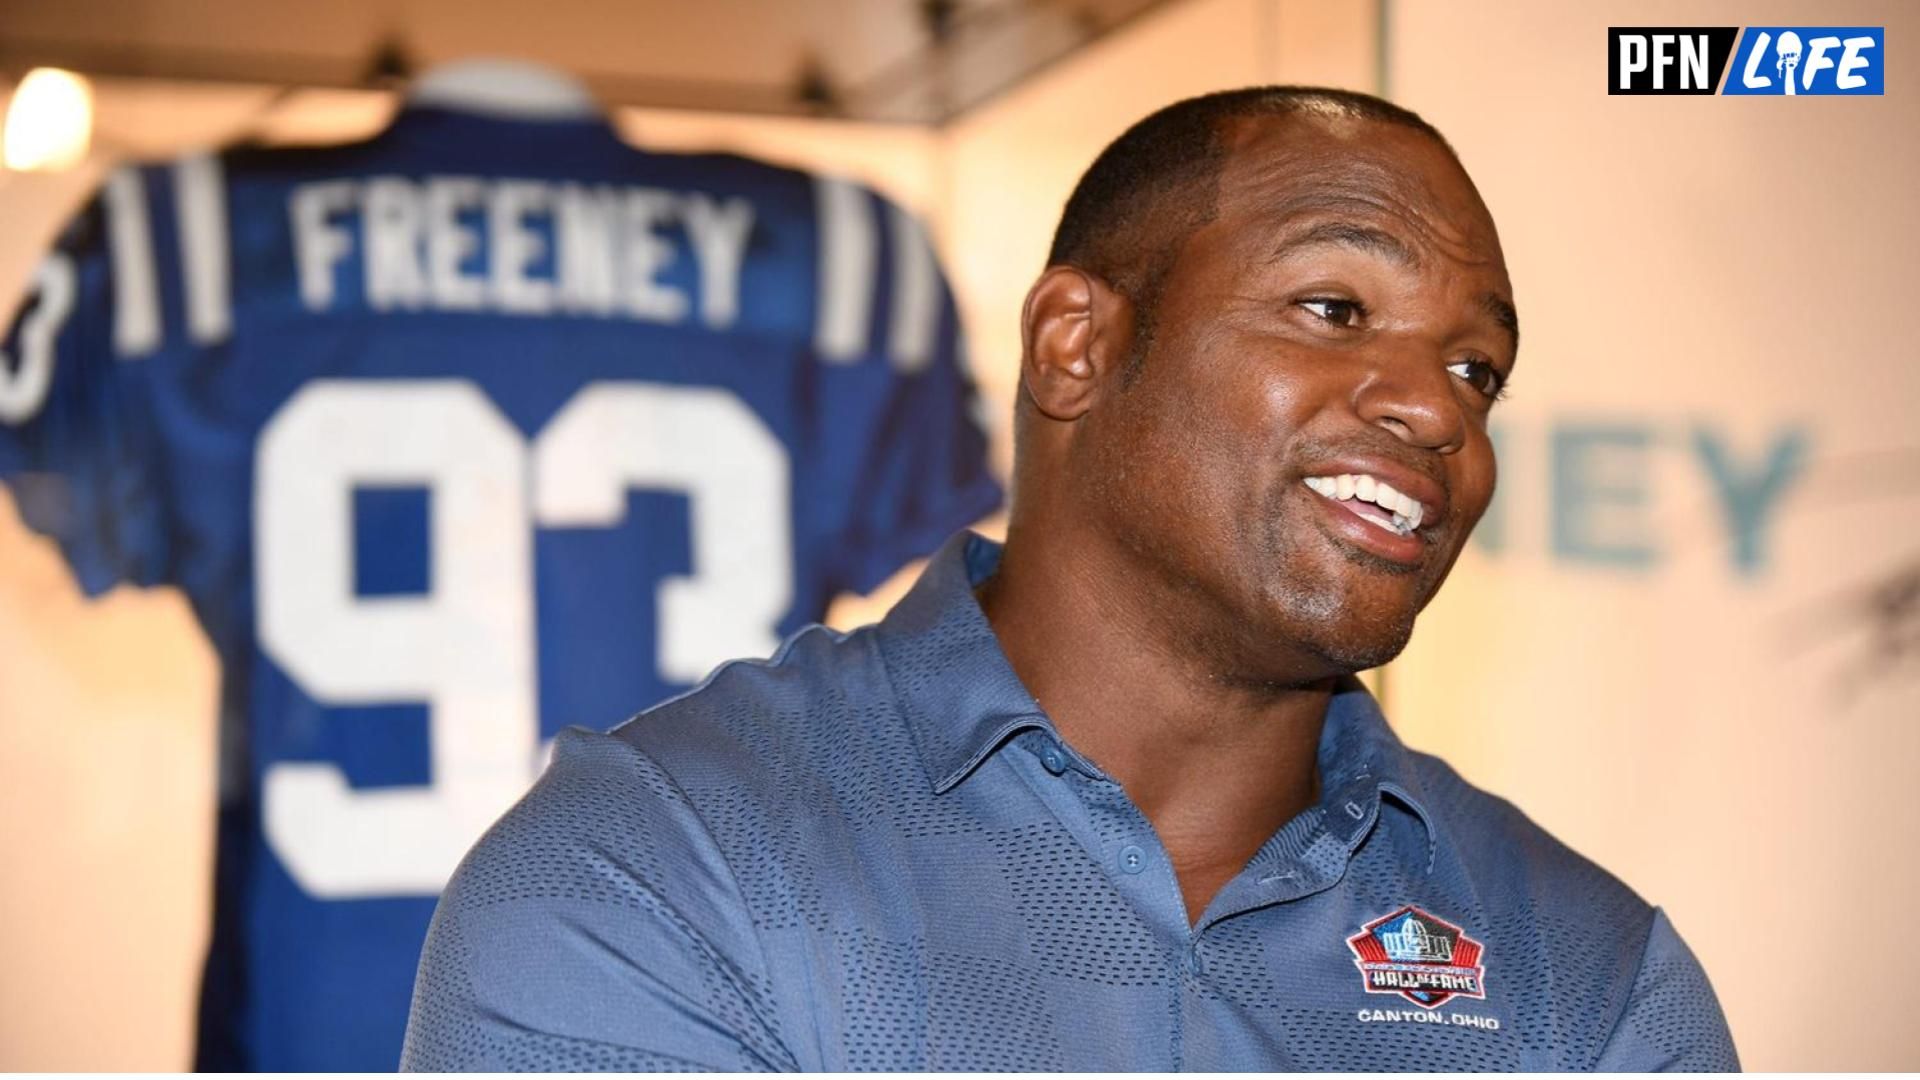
{"x": 875, "y": 851}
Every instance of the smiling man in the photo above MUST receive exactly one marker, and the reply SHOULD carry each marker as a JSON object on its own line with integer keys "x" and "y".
{"x": 1110, "y": 797}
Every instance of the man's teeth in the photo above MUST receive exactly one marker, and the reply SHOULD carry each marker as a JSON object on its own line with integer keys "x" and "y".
{"x": 1405, "y": 509}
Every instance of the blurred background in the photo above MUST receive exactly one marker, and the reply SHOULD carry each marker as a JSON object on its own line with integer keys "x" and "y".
{"x": 1686, "y": 639}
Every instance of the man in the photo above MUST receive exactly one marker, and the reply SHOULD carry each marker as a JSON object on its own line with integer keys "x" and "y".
{"x": 1110, "y": 798}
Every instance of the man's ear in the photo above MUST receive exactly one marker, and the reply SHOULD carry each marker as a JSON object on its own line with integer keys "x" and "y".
{"x": 1074, "y": 331}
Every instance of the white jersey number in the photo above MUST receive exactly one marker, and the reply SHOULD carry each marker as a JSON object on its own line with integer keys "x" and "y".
{"x": 467, "y": 646}
{"x": 23, "y": 388}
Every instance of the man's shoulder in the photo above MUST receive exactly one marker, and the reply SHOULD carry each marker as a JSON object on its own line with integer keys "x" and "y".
{"x": 1630, "y": 995}
{"x": 749, "y": 729}
{"x": 667, "y": 811}
{"x": 810, "y": 733}
{"x": 745, "y": 740}
{"x": 757, "y": 720}
{"x": 626, "y": 874}
{"x": 724, "y": 800}
{"x": 1585, "y": 930}
{"x": 1497, "y": 843}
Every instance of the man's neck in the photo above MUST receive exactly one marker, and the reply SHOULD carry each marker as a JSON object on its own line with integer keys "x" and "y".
{"x": 1216, "y": 763}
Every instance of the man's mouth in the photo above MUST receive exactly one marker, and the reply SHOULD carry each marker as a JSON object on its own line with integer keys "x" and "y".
{"x": 1373, "y": 500}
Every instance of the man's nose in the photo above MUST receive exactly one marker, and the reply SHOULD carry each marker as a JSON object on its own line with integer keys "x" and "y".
{"x": 1409, "y": 391}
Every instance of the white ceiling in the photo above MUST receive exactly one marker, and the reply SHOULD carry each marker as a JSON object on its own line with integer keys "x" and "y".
{"x": 880, "y": 59}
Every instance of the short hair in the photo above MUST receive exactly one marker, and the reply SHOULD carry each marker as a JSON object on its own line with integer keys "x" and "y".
{"x": 1135, "y": 206}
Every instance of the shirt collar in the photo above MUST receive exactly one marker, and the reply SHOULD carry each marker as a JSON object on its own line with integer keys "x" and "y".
{"x": 961, "y": 698}
{"x": 956, "y": 689}
{"x": 1361, "y": 758}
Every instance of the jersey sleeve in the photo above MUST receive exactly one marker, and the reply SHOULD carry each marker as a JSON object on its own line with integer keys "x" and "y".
{"x": 76, "y": 445}
{"x": 1673, "y": 1021}
{"x": 902, "y": 446}
{"x": 595, "y": 927}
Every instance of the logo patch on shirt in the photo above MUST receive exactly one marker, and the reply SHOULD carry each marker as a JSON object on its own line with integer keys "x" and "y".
{"x": 1419, "y": 956}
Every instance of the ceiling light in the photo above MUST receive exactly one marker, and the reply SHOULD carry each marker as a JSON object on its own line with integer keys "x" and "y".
{"x": 49, "y": 121}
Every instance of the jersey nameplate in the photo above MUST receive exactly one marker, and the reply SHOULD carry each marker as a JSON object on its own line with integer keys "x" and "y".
{"x": 521, "y": 247}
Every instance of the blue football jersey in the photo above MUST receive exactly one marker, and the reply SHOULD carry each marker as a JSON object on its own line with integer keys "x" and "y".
{"x": 455, "y": 437}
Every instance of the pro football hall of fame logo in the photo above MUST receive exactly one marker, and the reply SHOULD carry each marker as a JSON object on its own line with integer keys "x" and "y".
{"x": 1419, "y": 956}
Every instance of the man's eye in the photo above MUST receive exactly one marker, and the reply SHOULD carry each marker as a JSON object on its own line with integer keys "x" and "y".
{"x": 1482, "y": 376}
{"x": 1346, "y": 313}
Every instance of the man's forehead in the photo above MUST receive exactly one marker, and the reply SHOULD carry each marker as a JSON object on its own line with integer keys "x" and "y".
{"x": 1285, "y": 167}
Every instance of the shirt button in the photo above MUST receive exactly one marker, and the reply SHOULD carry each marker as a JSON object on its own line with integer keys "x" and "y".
{"x": 1133, "y": 859}
{"x": 1053, "y": 760}
{"x": 1193, "y": 961}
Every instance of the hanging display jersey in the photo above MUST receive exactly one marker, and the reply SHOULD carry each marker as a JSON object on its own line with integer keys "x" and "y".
{"x": 456, "y": 437}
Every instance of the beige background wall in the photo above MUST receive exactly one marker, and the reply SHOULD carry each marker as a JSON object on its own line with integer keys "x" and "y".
{"x": 1744, "y": 265}
{"x": 1737, "y": 266}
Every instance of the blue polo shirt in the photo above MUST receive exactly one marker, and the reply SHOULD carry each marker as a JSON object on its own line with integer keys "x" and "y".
{"x": 874, "y": 851}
